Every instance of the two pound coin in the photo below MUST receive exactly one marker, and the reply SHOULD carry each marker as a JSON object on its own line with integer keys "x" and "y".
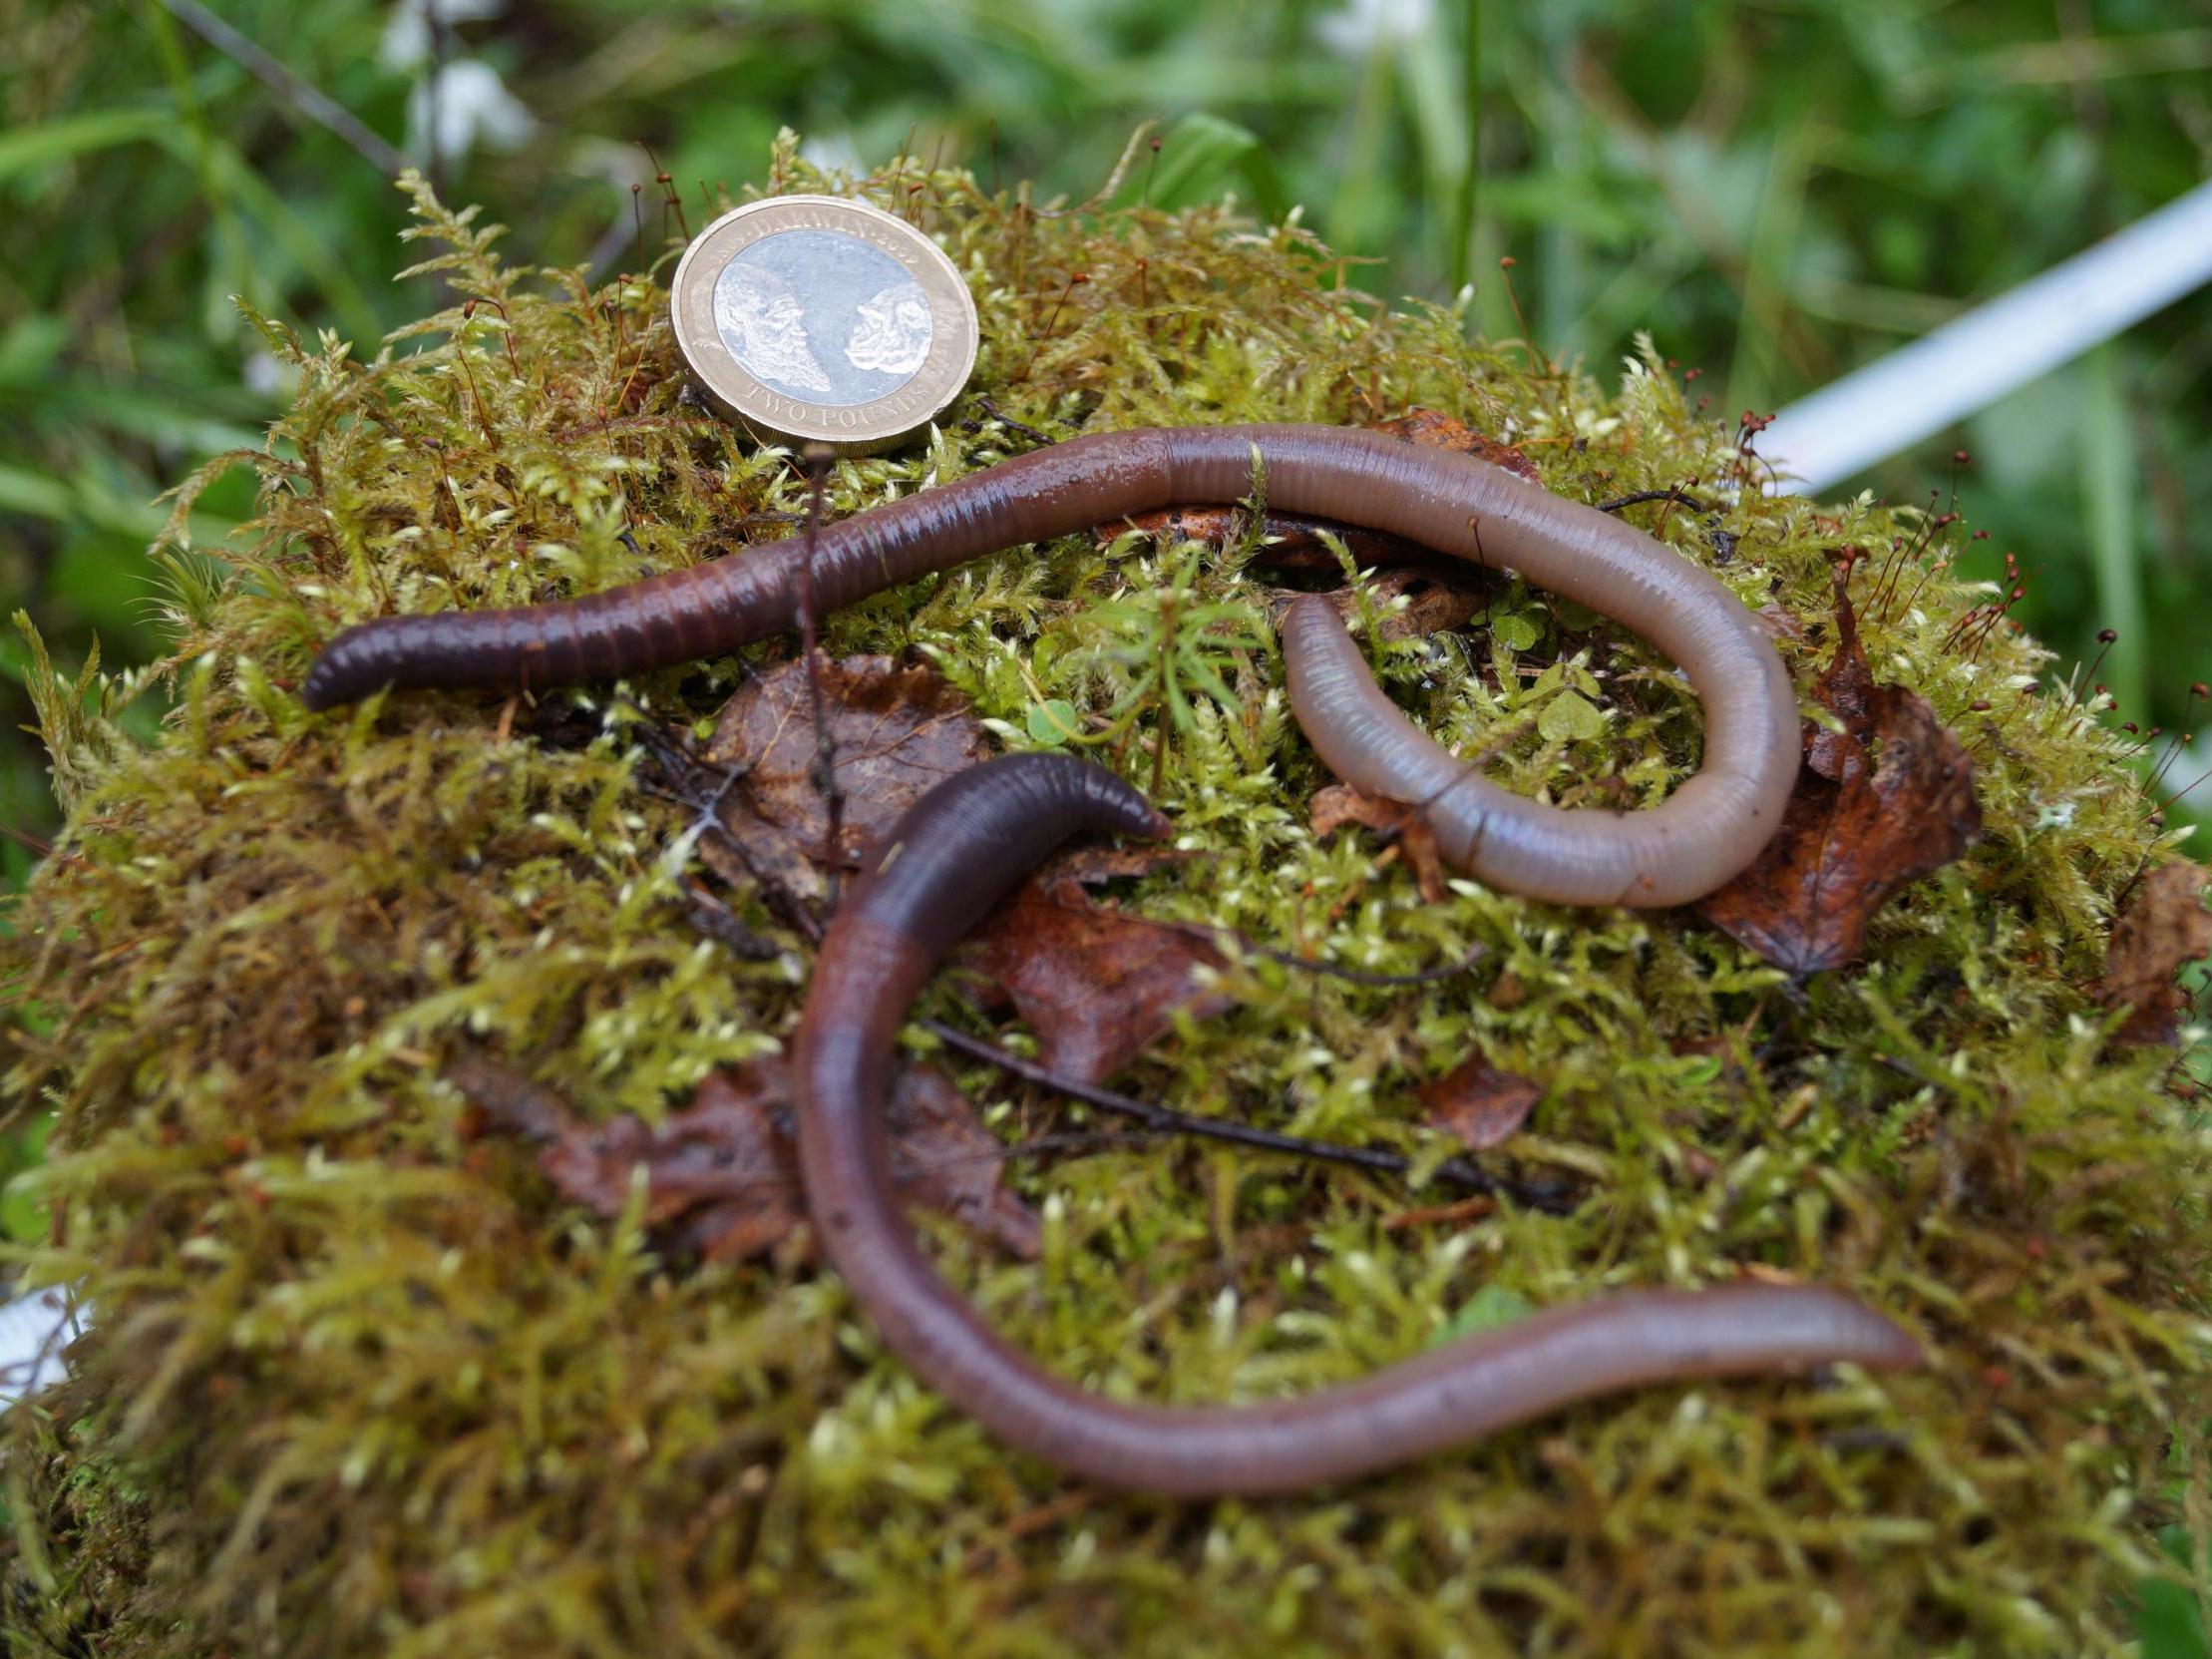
{"x": 811, "y": 320}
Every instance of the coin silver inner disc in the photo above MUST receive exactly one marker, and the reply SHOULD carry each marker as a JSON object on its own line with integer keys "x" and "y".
{"x": 822, "y": 316}
{"x": 823, "y": 319}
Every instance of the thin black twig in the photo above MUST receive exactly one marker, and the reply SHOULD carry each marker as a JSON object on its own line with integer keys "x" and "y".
{"x": 1553, "y": 1197}
{"x": 302, "y": 95}
{"x": 1550, "y": 1196}
{"x": 540, "y": 1116}
{"x": 724, "y": 925}
{"x": 822, "y": 770}
{"x": 1642, "y": 496}
{"x": 992, "y": 411}
{"x": 1058, "y": 1145}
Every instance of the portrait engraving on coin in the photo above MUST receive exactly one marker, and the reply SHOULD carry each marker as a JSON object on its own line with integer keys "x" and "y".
{"x": 817, "y": 319}
{"x": 822, "y": 316}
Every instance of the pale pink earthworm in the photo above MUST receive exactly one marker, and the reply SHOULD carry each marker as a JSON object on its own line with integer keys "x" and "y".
{"x": 1703, "y": 834}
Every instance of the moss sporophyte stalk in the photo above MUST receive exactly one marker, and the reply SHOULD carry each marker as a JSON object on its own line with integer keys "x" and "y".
{"x": 364, "y": 1380}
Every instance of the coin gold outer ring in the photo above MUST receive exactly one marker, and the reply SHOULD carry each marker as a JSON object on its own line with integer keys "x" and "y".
{"x": 846, "y": 429}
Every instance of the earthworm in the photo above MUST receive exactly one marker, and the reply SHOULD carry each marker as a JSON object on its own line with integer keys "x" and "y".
{"x": 1700, "y": 836}
{"x": 1710, "y": 828}
{"x": 959, "y": 850}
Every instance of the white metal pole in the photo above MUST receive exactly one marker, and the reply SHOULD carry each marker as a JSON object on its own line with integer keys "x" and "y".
{"x": 1972, "y": 360}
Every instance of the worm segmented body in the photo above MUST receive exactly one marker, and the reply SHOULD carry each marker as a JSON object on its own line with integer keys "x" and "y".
{"x": 959, "y": 850}
{"x": 1713, "y": 827}
{"x": 967, "y": 843}
{"x": 1705, "y": 832}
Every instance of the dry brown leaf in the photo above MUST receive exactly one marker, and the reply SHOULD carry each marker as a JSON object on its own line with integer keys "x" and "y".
{"x": 1781, "y": 623}
{"x": 897, "y": 731}
{"x": 1846, "y": 689}
{"x": 947, "y": 1161}
{"x": 1438, "y": 430}
{"x": 1337, "y": 804}
{"x": 1877, "y": 805}
{"x": 1478, "y": 1104}
{"x": 2163, "y": 925}
{"x": 1096, "y": 985}
{"x": 1095, "y": 863}
{"x": 722, "y": 1174}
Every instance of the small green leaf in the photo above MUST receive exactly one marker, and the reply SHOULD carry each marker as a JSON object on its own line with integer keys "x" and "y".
{"x": 24, "y": 1213}
{"x": 1052, "y": 724}
{"x": 1569, "y": 717}
{"x": 1515, "y": 632}
{"x": 1200, "y": 158}
{"x": 1486, "y": 1310}
{"x": 2166, "y": 1617}
{"x": 1699, "y": 1071}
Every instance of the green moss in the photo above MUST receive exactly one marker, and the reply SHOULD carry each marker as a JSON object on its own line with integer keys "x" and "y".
{"x": 360, "y": 1383}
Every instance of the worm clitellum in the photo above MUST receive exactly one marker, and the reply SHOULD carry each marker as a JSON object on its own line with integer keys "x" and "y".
{"x": 1708, "y": 831}
{"x": 959, "y": 850}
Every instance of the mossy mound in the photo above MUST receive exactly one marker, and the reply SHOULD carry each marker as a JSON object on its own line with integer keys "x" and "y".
{"x": 360, "y": 1383}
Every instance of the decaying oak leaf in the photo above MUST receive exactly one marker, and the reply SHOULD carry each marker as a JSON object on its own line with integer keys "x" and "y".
{"x": 946, "y": 1159}
{"x": 1095, "y": 863}
{"x": 1781, "y": 623}
{"x": 1096, "y": 985}
{"x": 1478, "y": 1104}
{"x": 1877, "y": 805}
{"x": 896, "y": 732}
{"x": 1404, "y": 829}
{"x": 2163, "y": 925}
{"x": 722, "y": 1174}
{"x": 1438, "y": 430}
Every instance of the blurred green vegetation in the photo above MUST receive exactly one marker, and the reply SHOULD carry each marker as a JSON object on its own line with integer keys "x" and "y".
{"x": 1776, "y": 192}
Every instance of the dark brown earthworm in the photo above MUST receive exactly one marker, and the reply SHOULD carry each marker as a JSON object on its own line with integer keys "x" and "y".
{"x": 1708, "y": 831}
{"x": 958, "y": 851}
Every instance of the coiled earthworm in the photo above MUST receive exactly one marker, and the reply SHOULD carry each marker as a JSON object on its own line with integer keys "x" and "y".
{"x": 1703, "y": 834}
{"x": 959, "y": 850}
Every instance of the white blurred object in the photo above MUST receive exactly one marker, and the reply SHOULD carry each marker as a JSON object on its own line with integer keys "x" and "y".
{"x": 1972, "y": 360}
{"x": 33, "y": 1331}
{"x": 1364, "y": 25}
{"x": 407, "y": 36}
{"x": 463, "y": 98}
{"x": 262, "y": 373}
{"x": 470, "y": 105}
{"x": 833, "y": 153}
